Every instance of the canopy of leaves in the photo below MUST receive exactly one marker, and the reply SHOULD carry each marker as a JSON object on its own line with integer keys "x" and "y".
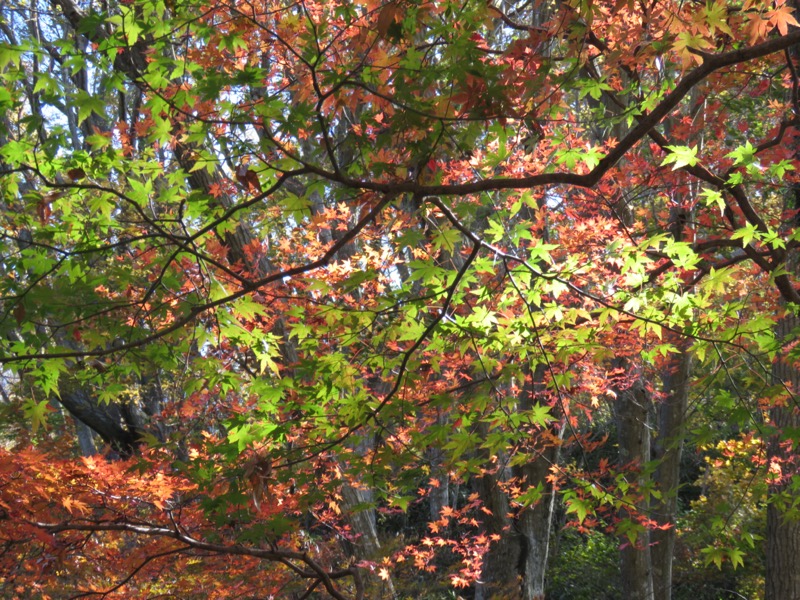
{"x": 299, "y": 270}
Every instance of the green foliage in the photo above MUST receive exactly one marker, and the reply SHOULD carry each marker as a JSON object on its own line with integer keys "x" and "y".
{"x": 584, "y": 567}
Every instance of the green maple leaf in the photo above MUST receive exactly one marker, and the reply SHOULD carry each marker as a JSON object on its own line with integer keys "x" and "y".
{"x": 680, "y": 156}
{"x": 36, "y": 412}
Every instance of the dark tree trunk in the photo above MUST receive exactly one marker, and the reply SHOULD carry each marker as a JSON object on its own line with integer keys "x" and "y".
{"x": 439, "y": 497}
{"x": 782, "y": 580}
{"x": 499, "y": 578}
{"x": 783, "y": 527}
{"x": 105, "y": 419}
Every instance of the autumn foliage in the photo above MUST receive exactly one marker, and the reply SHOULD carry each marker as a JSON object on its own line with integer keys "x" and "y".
{"x": 372, "y": 299}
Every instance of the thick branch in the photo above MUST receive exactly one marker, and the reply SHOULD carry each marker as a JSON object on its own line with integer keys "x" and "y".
{"x": 285, "y": 557}
{"x": 711, "y": 64}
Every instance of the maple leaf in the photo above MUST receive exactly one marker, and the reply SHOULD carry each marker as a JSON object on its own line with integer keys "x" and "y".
{"x": 716, "y": 18}
{"x": 74, "y": 505}
{"x": 688, "y": 45}
{"x": 782, "y": 18}
{"x": 759, "y": 27}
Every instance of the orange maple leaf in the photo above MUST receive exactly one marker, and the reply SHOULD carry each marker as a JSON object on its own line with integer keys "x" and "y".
{"x": 781, "y": 18}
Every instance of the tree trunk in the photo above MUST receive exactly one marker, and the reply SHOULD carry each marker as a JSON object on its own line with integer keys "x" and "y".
{"x": 85, "y": 438}
{"x": 439, "y": 497}
{"x": 535, "y": 523}
{"x": 535, "y": 527}
{"x": 366, "y": 545}
{"x": 668, "y": 448}
{"x": 105, "y": 419}
{"x": 783, "y": 552}
{"x": 516, "y": 567}
{"x": 782, "y": 578}
{"x": 633, "y": 416}
{"x": 499, "y": 576}
{"x": 783, "y": 527}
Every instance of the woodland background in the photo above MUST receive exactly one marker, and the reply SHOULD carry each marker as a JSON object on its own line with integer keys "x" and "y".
{"x": 410, "y": 299}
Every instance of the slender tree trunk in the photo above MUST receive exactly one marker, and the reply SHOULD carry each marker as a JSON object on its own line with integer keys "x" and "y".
{"x": 517, "y": 566}
{"x": 668, "y": 448}
{"x": 439, "y": 497}
{"x": 633, "y": 426}
{"x": 535, "y": 525}
{"x": 85, "y": 438}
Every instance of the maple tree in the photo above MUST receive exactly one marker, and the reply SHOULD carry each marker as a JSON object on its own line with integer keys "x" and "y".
{"x": 302, "y": 297}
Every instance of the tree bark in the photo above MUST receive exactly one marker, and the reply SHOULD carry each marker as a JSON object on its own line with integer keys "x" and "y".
{"x": 516, "y": 567}
{"x": 499, "y": 576}
{"x": 668, "y": 448}
{"x": 439, "y": 497}
{"x": 85, "y": 438}
{"x": 535, "y": 526}
{"x": 633, "y": 426}
{"x": 535, "y": 522}
{"x": 106, "y": 420}
{"x": 782, "y": 580}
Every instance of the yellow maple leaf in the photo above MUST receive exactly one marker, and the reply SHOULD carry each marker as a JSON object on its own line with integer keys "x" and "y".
{"x": 688, "y": 47}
